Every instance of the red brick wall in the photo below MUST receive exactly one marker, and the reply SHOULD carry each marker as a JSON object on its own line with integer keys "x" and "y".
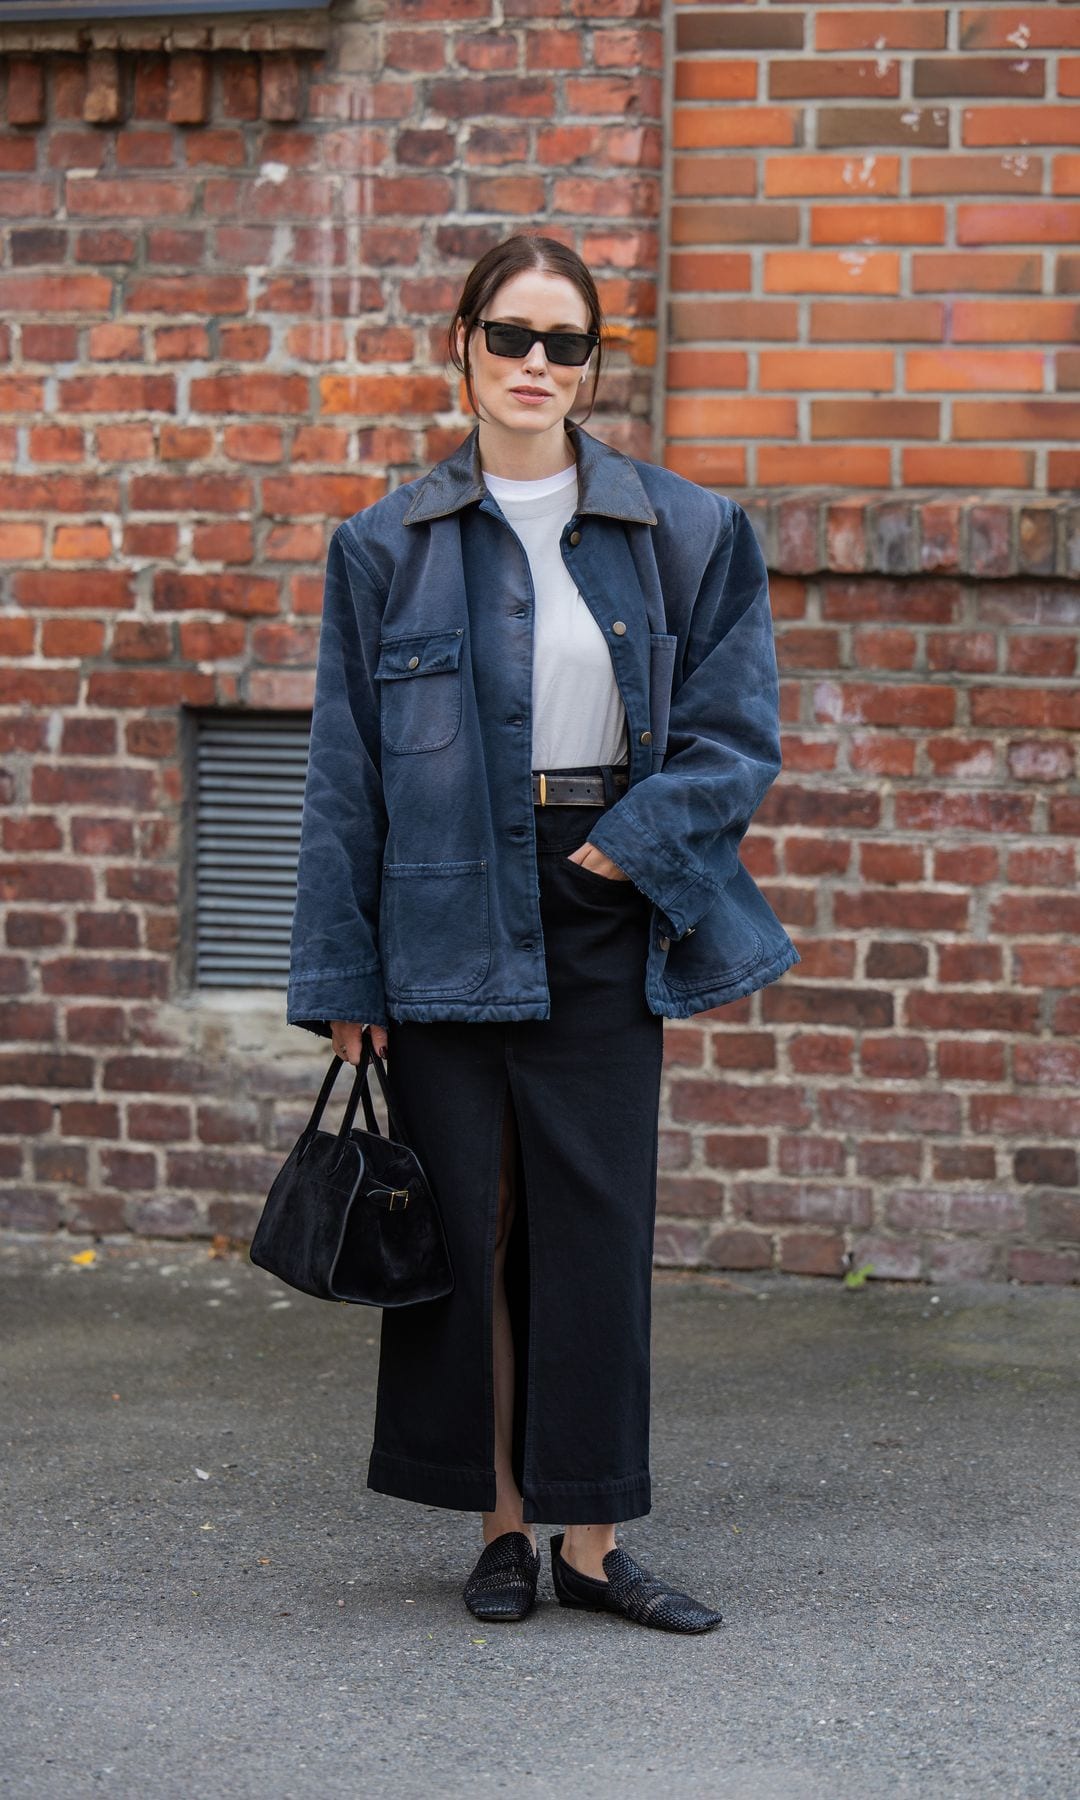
{"x": 908, "y": 1095}
{"x": 875, "y": 246}
{"x": 224, "y": 278}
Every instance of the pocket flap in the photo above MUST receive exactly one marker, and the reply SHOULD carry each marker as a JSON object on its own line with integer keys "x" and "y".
{"x": 430, "y": 653}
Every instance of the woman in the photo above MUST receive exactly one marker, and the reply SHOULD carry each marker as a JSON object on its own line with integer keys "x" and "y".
{"x": 546, "y": 710}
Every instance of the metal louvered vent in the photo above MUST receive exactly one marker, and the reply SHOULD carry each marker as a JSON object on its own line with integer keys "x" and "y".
{"x": 249, "y": 793}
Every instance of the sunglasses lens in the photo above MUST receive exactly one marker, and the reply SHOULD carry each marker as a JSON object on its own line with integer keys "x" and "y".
{"x": 508, "y": 340}
{"x": 569, "y": 347}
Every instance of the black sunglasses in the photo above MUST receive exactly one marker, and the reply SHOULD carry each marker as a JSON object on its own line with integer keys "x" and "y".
{"x": 568, "y": 348}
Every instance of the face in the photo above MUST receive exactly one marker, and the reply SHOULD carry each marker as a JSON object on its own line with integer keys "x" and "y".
{"x": 528, "y": 394}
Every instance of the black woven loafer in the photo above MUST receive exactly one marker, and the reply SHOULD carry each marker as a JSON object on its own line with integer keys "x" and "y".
{"x": 503, "y": 1584}
{"x": 634, "y": 1592}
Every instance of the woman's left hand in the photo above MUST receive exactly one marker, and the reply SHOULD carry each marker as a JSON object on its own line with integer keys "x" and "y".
{"x": 591, "y": 858}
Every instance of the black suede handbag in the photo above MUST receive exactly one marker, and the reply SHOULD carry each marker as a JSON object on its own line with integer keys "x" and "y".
{"x": 352, "y": 1216}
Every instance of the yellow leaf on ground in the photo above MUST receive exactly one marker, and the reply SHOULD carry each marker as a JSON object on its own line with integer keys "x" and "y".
{"x": 84, "y": 1256}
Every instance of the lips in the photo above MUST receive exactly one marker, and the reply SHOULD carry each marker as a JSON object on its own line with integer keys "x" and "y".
{"x": 532, "y": 393}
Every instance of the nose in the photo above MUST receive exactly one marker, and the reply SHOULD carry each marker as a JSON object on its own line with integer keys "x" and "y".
{"x": 536, "y": 358}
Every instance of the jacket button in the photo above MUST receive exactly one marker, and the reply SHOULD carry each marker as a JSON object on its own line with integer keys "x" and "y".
{"x": 645, "y": 738}
{"x": 575, "y": 537}
{"x": 618, "y": 628}
{"x": 665, "y": 943}
{"x": 414, "y": 662}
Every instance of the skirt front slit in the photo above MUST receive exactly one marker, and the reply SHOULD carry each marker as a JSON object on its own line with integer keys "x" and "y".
{"x": 584, "y": 1085}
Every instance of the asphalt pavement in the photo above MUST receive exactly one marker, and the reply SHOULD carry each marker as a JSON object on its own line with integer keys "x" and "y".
{"x": 201, "y": 1597}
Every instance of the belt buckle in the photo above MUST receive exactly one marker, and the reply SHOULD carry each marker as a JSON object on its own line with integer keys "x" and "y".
{"x": 543, "y": 788}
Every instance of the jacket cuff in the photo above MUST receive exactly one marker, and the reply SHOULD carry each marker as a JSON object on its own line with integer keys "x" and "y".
{"x": 683, "y": 894}
{"x": 354, "y": 994}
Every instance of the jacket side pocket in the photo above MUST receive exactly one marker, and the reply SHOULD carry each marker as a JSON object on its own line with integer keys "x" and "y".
{"x": 435, "y": 936}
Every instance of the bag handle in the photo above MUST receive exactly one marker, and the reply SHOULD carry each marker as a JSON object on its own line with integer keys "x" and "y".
{"x": 360, "y": 1094}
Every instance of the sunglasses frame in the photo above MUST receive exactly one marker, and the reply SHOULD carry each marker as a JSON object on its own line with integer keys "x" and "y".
{"x": 538, "y": 337}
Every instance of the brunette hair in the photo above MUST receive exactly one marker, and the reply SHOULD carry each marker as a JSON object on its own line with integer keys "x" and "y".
{"x": 526, "y": 250}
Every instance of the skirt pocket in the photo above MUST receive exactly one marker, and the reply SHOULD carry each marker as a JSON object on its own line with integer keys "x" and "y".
{"x": 600, "y": 883}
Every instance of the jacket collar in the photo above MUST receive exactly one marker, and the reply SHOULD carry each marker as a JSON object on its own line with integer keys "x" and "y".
{"x": 608, "y": 483}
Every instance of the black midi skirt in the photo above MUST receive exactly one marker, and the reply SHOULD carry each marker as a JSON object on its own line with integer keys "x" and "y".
{"x": 584, "y": 1085}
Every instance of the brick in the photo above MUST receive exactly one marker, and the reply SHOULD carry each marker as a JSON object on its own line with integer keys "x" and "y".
{"x": 89, "y": 1119}
{"x": 782, "y": 466}
{"x": 948, "y": 271}
{"x": 101, "y": 105}
{"x": 734, "y": 223}
{"x": 705, "y": 416}
{"x": 963, "y": 1262}
{"x": 964, "y": 1162}
{"x": 826, "y": 272}
{"x": 940, "y": 76}
{"x": 1018, "y": 222}
{"x": 1022, "y": 125}
{"x": 281, "y": 87}
{"x": 1059, "y": 1218}
{"x": 739, "y": 30}
{"x": 874, "y": 1110}
{"x": 894, "y": 28}
{"x": 699, "y": 128}
{"x": 874, "y": 418}
{"x": 33, "y": 1069}
{"x": 735, "y": 1249}
{"x": 892, "y": 1259}
{"x": 136, "y": 978}
{"x": 25, "y": 91}
{"x": 715, "y": 80}
{"x": 29, "y": 1209}
{"x": 1018, "y": 28}
{"x": 30, "y": 930}
{"x": 881, "y": 224}
{"x": 773, "y": 1203}
{"x": 972, "y": 371}
{"x": 877, "y": 321}
{"x": 796, "y": 176}
{"x": 167, "y": 1215}
{"x": 1014, "y": 172}
{"x": 1034, "y": 1265}
{"x": 129, "y": 1170}
{"x": 90, "y": 589}
{"x": 818, "y": 76}
{"x": 1045, "y": 1166}
{"x": 690, "y": 1196}
{"x": 871, "y": 126}
{"x": 206, "y": 1169}
{"x": 811, "y": 1253}
{"x": 949, "y": 466}
{"x": 759, "y": 320}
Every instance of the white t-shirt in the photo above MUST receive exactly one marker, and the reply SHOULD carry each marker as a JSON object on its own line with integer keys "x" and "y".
{"x": 578, "y": 715}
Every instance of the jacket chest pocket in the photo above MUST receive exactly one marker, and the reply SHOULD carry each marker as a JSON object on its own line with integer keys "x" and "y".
{"x": 420, "y": 692}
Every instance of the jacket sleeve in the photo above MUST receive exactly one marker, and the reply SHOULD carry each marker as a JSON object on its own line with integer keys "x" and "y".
{"x": 677, "y": 832}
{"x": 335, "y": 970}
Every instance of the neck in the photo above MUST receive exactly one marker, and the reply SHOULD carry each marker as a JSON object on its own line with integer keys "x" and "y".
{"x": 519, "y": 458}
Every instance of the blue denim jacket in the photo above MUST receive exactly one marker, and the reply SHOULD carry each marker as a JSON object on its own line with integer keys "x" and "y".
{"x": 417, "y": 891}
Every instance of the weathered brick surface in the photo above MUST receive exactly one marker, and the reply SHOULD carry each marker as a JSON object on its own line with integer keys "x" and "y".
{"x": 896, "y": 154}
{"x": 227, "y": 258}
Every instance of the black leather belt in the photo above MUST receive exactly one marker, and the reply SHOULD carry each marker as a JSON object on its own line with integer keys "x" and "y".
{"x": 550, "y": 788}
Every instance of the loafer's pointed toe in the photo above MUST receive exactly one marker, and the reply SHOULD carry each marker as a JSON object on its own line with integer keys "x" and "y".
{"x": 630, "y": 1590}
{"x": 502, "y": 1586}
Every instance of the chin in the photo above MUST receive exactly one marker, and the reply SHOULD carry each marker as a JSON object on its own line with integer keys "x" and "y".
{"x": 527, "y": 421}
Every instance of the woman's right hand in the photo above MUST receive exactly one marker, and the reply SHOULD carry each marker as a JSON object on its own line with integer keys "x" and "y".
{"x": 346, "y": 1039}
